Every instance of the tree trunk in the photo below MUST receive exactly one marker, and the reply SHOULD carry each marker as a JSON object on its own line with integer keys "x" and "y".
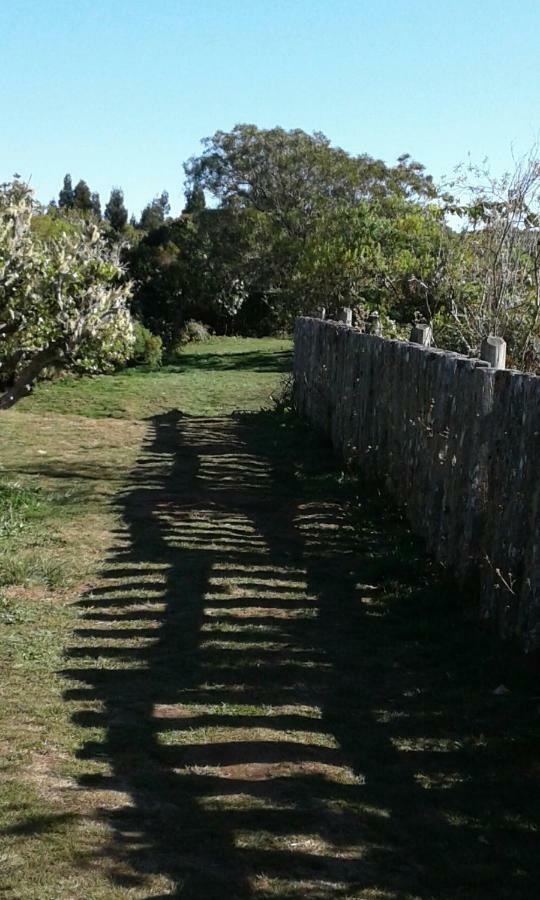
{"x": 23, "y": 383}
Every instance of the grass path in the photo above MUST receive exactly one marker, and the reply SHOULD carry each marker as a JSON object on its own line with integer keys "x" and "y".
{"x": 250, "y": 683}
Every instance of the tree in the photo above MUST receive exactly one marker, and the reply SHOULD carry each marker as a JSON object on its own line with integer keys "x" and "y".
{"x": 294, "y": 183}
{"x": 497, "y": 268}
{"x": 66, "y": 195}
{"x": 291, "y": 175}
{"x": 154, "y": 214}
{"x": 95, "y": 204}
{"x": 63, "y": 302}
{"x": 202, "y": 267}
{"x": 82, "y": 198}
{"x": 115, "y": 211}
{"x": 195, "y": 200}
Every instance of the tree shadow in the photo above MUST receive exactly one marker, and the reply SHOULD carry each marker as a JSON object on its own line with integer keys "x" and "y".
{"x": 280, "y": 697}
{"x": 254, "y": 361}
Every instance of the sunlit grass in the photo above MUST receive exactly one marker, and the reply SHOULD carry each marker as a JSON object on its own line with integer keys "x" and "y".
{"x": 213, "y": 378}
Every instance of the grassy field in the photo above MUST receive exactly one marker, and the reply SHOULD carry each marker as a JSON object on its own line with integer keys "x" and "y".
{"x": 213, "y": 378}
{"x": 227, "y": 670}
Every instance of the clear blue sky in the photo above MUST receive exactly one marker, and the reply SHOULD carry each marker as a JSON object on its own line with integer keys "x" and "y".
{"x": 120, "y": 92}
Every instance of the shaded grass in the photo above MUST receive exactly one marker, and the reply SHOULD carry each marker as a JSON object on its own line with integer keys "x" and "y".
{"x": 249, "y": 682}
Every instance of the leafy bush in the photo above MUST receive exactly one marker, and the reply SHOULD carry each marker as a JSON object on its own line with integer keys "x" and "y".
{"x": 63, "y": 301}
{"x": 193, "y": 333}
{"x": 148, "y": 347}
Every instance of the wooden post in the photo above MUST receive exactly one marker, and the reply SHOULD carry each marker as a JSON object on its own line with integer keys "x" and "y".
{"x": 345, "y": 315}
{"x": 374, "y": 324}
{"x": 421, "y": 334}
{"x": 494, "y": 351}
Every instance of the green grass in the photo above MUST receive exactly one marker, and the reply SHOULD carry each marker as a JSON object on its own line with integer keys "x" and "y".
{"x": 228, "y": 668}
{"x": 211, "y": 378}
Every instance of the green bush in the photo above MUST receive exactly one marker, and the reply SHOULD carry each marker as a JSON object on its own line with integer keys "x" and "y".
{"x": 148, "y": 348}
{"x": 193, "y": 332}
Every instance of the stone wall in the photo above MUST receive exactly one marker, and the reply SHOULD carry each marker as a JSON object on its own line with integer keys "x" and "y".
{"x": 456, "y": 443}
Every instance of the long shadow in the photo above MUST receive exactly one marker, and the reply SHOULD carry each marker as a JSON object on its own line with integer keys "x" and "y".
{"x": 280, "y": 698}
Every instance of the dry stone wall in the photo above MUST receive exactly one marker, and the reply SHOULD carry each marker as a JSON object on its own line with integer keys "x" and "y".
{"x": 456, "y": 443}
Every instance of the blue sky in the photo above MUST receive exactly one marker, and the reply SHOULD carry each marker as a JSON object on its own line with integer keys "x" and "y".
{"x": 120, "y": 92}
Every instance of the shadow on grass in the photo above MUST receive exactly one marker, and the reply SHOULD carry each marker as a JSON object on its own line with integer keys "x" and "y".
{"x": 36, "y": 825}
{"x": 254, "y": 361}
{"x": 283, "y": 696}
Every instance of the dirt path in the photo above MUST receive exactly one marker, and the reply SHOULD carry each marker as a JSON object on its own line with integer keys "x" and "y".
{"x": 274, "y": 703}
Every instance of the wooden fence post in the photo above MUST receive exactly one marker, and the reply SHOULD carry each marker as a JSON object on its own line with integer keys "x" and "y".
{"x": 494, "y": 351}
{"x": 345, "y": 315}
{"x": 374, "y": 324}
{"x": 421, "y": 334}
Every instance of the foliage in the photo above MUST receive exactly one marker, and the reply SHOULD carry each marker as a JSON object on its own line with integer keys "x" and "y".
{"x": 194, "y": 332}
{"x": 52, "y": 223}
{"x": 95, "y": 204}
{"x": 63, "y": 302}
{"x": 294, "y": 224}
{"x": 82, "y": 198}
{"x": 195, "y": 200}
{"x": 147, "y": 348}
{"x": 292, "y": 175}
{"x": 116, "y": 213}
{"x": 66, "y": 196}
{"x": 78, "y": 198}
{"x": 289, "y": 206}
{"x": 154, "y": 214}
{"x": 497, "y": 273}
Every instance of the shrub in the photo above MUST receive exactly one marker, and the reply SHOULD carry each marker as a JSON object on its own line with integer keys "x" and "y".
{"x": 63, "y": 301}
{"x": 148, "y": 348}
{"x": 193, "y": 332}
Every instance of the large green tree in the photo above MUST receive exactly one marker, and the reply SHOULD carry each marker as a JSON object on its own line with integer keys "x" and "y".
{"x": 294, "y": 222}
{"x": 292, "y": 175}
{"x": 301, "y": 187}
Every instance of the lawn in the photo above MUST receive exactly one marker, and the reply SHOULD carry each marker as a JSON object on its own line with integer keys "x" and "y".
{"x": 212, "y": 378}
{"x": 229, "y": 670}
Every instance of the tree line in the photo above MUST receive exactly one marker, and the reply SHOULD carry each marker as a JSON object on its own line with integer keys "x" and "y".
{"x": 86, "y": 203}
{"x": 277, "y": 223}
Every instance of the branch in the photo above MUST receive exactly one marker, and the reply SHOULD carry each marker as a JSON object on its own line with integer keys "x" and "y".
{"x": 49, "y": 356}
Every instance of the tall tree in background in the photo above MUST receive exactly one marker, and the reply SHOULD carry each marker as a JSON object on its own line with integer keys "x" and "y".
{"x": 66, "y": 196}
{"x": 195, "y": 200}
{"x": 292, "y": 175}
{"x": 293, "y": 181}
{"x": 153, "y": 215}
{"x": 95, "y": 204}
{"x": 116, "y": 213}
{"x": 82, "y": 198}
